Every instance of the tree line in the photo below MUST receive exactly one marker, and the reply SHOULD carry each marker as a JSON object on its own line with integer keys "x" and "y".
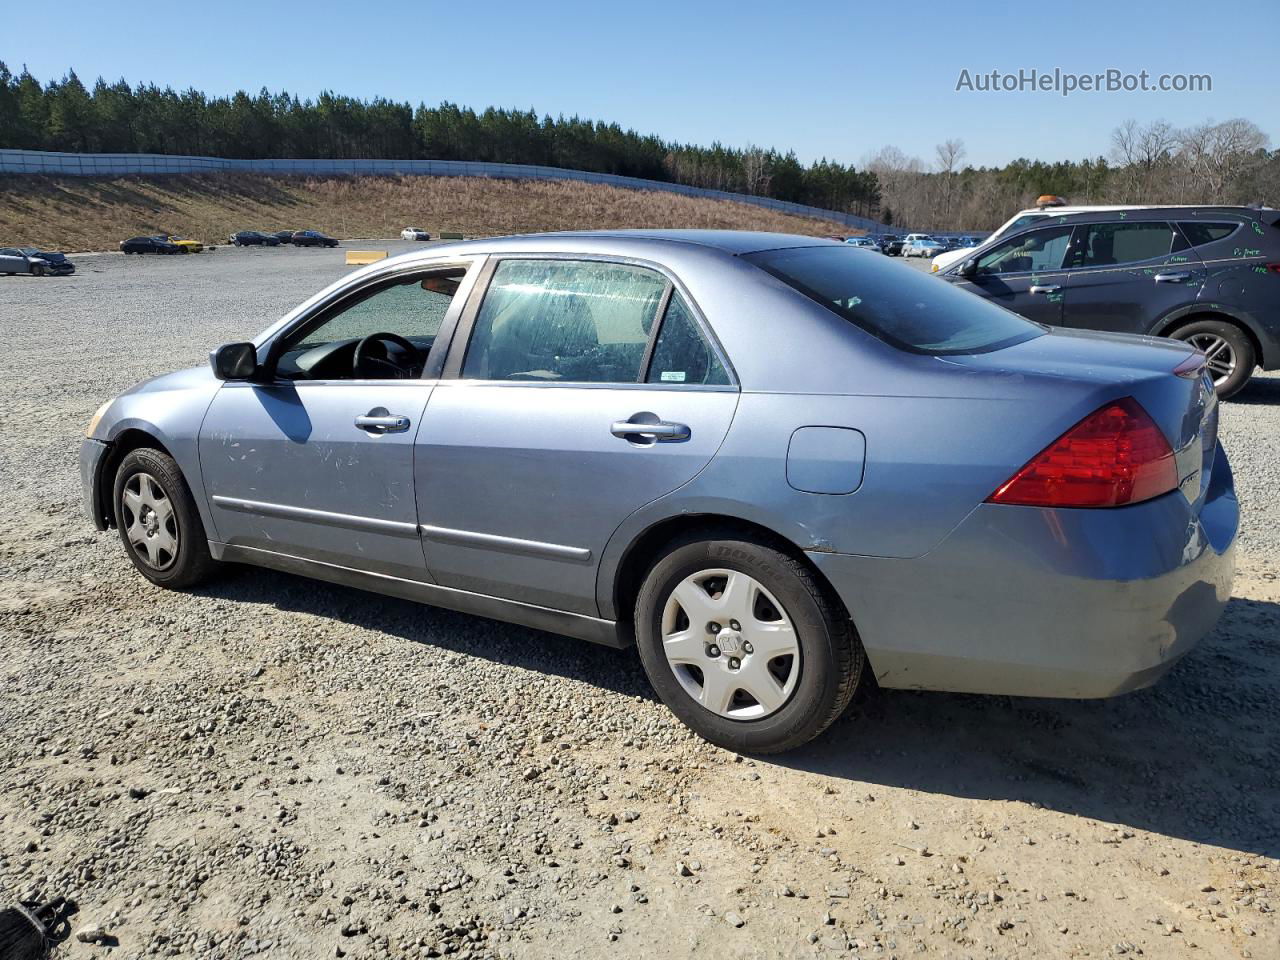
{"x": 1209, "y": 163}
{"x": 119, "y": 118}
{"x": 1228, "y": 162}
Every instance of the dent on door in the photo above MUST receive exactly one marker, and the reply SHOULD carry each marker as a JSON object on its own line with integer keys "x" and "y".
{"x": 288, "y": 468}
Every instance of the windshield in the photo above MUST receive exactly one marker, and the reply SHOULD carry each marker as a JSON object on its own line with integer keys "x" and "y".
{"x": 910, "y": 310}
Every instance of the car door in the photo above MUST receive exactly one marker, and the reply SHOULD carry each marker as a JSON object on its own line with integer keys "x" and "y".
{"x": 316, "y": 461}
{"x": 1126, "y": 275}
{"x": 1024, "y": 273}
{"x": 12, "y": 261}
{"x": 577, "y": 391}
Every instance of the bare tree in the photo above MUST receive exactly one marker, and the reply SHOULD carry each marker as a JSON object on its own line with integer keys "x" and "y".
{"x": 755, "y": 170}
{"x": 1220, "y": 154}
{"x": 1142, "y": 152}
{"x": 949, "y": 152}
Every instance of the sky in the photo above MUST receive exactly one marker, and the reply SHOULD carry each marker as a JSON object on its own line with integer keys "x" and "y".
{"x": 825, "y": 78}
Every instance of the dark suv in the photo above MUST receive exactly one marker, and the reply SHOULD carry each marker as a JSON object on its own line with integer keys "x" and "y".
{"x": 1206, "y": 275}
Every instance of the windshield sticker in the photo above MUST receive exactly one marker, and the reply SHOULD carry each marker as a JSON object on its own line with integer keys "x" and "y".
{"x": 673, "y": 376}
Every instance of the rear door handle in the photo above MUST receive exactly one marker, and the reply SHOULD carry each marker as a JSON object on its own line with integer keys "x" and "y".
{"x": 1047, "y": 288}
{"x": 651, "y": 428}
{"x": 1177, "y": 277}
{"x": 379, "y": 422}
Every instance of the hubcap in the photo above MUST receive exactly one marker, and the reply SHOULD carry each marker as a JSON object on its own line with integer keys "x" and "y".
{"x": 149, "y": 522}
{"x": 1221, "y": 358}
{"x": 730, "y": 644}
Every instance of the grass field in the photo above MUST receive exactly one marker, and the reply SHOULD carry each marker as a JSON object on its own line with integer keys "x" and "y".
{"x": 76, "y": 213}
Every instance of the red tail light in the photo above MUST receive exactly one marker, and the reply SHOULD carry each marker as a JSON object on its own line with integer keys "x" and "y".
{"x": 1274, "y": 267}
{"x": 1114, "y": 456}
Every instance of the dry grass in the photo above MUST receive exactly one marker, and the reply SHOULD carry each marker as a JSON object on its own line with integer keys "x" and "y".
{"x": 95, "y": 214}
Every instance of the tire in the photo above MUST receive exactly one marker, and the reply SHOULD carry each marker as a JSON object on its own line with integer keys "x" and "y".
{"x": 188, "y": 562}
{"x": 1222, "y": 339}
{"x": 37, "y": 270}
{"x": 811, "y": 687}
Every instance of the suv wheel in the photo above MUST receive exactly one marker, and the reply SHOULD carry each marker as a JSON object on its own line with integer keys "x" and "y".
{"x": 1228, "y": 348}
{"x": 744, "y": 645}
{"x": 158, "y": 521}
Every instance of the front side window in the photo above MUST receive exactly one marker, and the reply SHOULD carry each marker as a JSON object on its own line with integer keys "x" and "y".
{"x": 384, "y": 332}
{"x": 1110, "y": 244}
{"x": 569, "y": 321}
{"x": 1037, "y": 251}
{"x": 681, "y": 354}
{"x": 908, "y": 309}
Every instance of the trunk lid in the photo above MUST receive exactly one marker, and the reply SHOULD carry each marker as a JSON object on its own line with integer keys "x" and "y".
{"x": 1114, "y": 365}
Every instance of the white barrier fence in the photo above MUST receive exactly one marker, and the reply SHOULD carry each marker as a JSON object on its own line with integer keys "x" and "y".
{"x": 123, "y": 164}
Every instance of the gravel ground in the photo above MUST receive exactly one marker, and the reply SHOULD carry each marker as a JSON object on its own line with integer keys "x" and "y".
{"x": 278, "y": 767}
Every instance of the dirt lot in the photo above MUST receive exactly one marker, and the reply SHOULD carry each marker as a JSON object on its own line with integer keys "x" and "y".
{"x": 277, "y": 767}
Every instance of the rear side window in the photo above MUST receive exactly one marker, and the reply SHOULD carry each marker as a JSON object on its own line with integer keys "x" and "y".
{"x": 908, "y": 309}
{"x": 1109, "y": 244}
{"x": 1198, "y": 234}
{"x": 564, "y": 320}
{"x": 682, "y": 354}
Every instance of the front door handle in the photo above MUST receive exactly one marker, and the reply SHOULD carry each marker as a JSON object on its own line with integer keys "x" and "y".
{"x": 1176, "y": 277}
{"x": 643, "y": 427}
{"x": 378, "y": 421}
{"x": 1046, "y": 288}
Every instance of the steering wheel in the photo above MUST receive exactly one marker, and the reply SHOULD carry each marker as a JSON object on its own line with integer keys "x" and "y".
{"x": 366, "y": 364}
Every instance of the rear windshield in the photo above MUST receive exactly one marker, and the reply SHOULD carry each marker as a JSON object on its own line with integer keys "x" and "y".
{"x": 910, "y": 310}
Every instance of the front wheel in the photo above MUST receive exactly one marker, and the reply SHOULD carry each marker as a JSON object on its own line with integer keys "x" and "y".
{"x": 744, "y": 645}
{"x": 37, "y": 270}
{"x": 158, "y": 521}
{"x": 1228, "y": 350}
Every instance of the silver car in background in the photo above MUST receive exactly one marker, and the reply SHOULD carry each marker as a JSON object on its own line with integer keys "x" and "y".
{"x": 771, "y": 462}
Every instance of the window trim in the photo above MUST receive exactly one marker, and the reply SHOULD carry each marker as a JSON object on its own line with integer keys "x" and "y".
{"x": 461, "y": 338}
{"x": 313, "y": 314}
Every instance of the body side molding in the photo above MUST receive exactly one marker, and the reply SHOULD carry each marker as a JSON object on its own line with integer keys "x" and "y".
{"x": 578, "y": 625}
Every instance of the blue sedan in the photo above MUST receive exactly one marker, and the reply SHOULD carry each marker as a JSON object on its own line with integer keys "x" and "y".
{"x": 774, "y": 464}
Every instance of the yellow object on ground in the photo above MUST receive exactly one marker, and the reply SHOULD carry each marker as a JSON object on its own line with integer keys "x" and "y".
{"x": 365, "y": 256}
{"x": 191, "y": 246}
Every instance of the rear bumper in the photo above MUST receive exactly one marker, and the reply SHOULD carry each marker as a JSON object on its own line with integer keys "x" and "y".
{"x": 92, "y": 453}
{"x": 1025, "y": 601}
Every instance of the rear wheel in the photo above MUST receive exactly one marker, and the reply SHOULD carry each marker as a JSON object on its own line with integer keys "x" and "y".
{"x": 744, "y": 645}
{"x": 158, "y": 521}
{"x": 1230, "y": 353}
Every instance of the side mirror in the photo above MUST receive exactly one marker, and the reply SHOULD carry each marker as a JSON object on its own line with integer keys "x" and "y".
{"x": 234, "y": 361}
{"x": 969, "y": 268}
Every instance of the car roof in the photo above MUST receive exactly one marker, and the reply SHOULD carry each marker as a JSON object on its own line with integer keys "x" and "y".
{"x": 728, "y": 241}
{"x": 1146, "y": 214}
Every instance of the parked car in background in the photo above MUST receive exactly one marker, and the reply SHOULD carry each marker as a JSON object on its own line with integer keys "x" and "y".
{"x": 312, "y": 238}
{"x": 413, "y": 233}
{"x": 149, "y": 245}
{"x": 253, "y": 238}
{"x": 864, "y": 242}
{"x": 922, "y": 245}
{"x": 1048, "y": 206}
{"x": 696, "y": 475}
{"x": 284, "y": 236}
{"x": 38, "y": 263}
{"x": 965, "y": 243}
{"x": 188, "y": 246}
{"x": 1207, "y": 275}
{"x": 891, "y": 246}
